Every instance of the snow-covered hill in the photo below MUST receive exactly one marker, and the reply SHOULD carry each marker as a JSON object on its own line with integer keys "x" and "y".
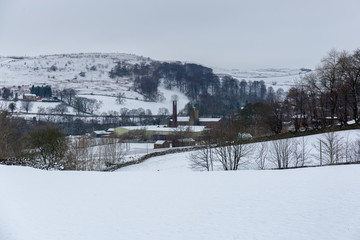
{"x": 275, "y": 77}
{"x": 63, "y": 70}
{"x": 88, "y": 74}
{"x": 312, "y": 204}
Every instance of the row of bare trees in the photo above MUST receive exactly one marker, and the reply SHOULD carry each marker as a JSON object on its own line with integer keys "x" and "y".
{"x": 329, "y": 93}
{"x": 329, "y": 149}
{"x": 326, "y": 96}
{"x": 89, "y": 154}
{"x": 44, "y": 145}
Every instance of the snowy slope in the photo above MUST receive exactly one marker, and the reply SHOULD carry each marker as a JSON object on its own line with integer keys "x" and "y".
{"x": 30, "y": 71}
{"x": 21, "y": 73}
{"x": 180, "y": 162}
{"x": 63, "y": 71}
{"x": 276, "y": 78}
{"x": 312, "y": 204}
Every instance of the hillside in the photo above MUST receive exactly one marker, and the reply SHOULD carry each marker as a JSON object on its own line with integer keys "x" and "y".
{"x": 88, "y": 74}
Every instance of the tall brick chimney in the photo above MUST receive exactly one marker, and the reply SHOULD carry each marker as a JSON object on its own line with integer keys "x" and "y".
{"x": 174, "y": 118}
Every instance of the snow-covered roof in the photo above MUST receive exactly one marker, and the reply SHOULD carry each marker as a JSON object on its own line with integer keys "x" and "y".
{"x": 209, "y": 119}
{"x": 186, "y": 140}
{"x": 160, "y": 142}
{"x": 101, "y": 132}
{"x": 183, "y": 119}
{"x": 187, "y": 119}
{"x": 165, "y": 128}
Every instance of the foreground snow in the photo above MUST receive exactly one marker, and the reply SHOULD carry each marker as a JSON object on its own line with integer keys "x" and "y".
{"x": 313, "y": 203}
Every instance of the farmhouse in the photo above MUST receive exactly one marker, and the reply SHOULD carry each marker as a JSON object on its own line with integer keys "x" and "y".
{"x": 193, "y": 119}
{"x": 100, "y": 133}
{"x": 29, "y": 97}
{"x": 161, "y": 144}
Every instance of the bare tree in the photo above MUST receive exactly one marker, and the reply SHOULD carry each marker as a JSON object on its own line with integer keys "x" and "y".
{"x": 50, "y": 145}
{"x": 281, "y": 152}
{"x": 93, "y": 105}
{"x": 329, "y": 148}
{"x": 114, "y": 150}
{"x": 61, "y": 108}
{"x": 68, "y": 95}
{"x": 202, "y": 159}
{"x": 78, "y": 153}
{"x": 26, "y": 105}
{"x": 163, "y": 113}
{"x": 233, "y": 155}
{"x": 262, "y": 155}
{"x": 355, "y": 157}
{"x": 350, "y": 150}
{"x": 350, "y": 65}
{"x": 301, "y": 152}
{"x": 11, "y": 134}
{"x": 120, "y": 98}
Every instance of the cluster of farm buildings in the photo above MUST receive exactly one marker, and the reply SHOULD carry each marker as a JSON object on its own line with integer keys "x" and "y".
{"x": 179, "y": 131}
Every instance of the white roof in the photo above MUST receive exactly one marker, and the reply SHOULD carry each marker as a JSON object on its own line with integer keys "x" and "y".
{"x": 183, "y": 119}
{"x": 160, "y": 142}
{"x": 101, "y": 132}
{"x": 186, "y": 140}
{"x": 187, "y": 119}
{"x": 165, "y": 128}
{"x": 209, "y": 119}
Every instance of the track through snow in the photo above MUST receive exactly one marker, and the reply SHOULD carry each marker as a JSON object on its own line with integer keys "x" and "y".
{"x": 313, "y": 203}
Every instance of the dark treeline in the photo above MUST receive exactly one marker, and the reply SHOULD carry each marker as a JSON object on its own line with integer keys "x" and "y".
{"x": 216, "y": 95}
{"x": 328, "y": 95}
{"x": 324, "y": 97}
{"x": 41, "y": 91}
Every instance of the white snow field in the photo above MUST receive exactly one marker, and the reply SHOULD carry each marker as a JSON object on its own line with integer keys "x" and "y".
{"x": 312, "y": 203}
{"x": 180, "y": 162}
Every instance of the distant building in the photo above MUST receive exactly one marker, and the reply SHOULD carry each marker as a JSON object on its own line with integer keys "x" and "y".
{"x": 100, "y": 133}
{"x": 161, "y": 144}
{"x": 29, "y": 97}
{"x": 183, "y": 142}
{"x": 193, "y": 120}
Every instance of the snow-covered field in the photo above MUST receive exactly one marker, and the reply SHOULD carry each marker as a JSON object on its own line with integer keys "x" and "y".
{"x": 162, "y": 198}
{"x": 30, "y": 71}
{"x": 313, "y": 203}
{"x": 276, "y": 78}
{"x": 109, "y": 102}
{"x": 180, "y": 162}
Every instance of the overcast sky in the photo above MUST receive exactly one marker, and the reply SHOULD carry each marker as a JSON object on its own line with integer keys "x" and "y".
{"x": 244, "y": 34}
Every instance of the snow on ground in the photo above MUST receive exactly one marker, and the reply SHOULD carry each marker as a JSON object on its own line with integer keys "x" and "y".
{"x": 109, "y": 102}
{"x": 312, "y": 204}
{"x": 276, "y": 78}
{"x": 87, "y": 73}
{"x": 37, "y": 70}
{"x": 181, "y": 161}
{"x": 177, "y": 162}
